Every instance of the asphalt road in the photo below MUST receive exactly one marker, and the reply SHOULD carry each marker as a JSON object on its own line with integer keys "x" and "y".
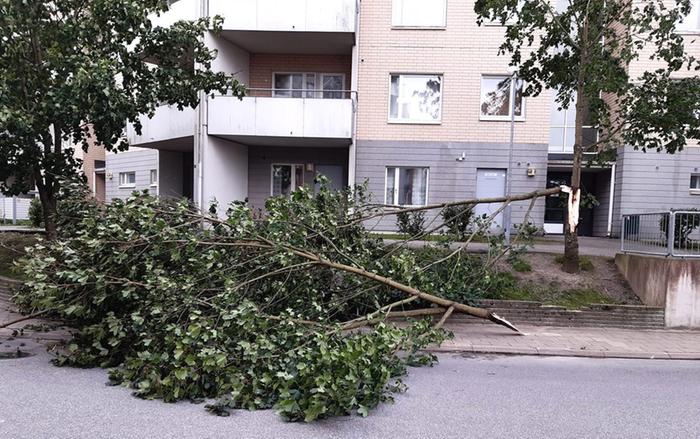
{"x": 477, "y": 397}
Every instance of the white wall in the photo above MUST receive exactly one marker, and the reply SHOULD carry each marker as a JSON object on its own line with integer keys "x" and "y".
{"x": 167, "y": 123}
{"x": 230, "y": 59}
{"x": 226, "y": 173}
{"x": 311, "y": 118}
{"x": 181, "y": 10}
{"x": 286, "y": 15}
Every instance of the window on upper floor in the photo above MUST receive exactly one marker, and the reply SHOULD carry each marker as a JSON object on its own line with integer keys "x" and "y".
{"x": 415, "y": 98}
{"x": 406, "y": 186}
{"x": 309, "y": 85}
{"x": 495, "y": 98}
{"x": 691, "y": 22}
{"x": 695, "y": 183}
{"x": 154, "y": 177}
{"x": 127, "y": 179}
{"x": 562, "y": 128}
{"x": 286, "y": 178}
{"x": 419, "y": 13}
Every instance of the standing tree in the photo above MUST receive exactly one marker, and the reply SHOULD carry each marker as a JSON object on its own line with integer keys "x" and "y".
{"x": 75, "y": 69}
{"x": 582, "y": 50}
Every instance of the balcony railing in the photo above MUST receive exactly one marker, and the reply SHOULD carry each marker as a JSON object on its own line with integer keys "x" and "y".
{"x": 275, "y": 113}
{"x": 674, "y": 233}
{"x": 287, "y": 15}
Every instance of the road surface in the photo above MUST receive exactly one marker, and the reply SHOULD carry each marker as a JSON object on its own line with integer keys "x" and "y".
{"x": 463, "y": 397}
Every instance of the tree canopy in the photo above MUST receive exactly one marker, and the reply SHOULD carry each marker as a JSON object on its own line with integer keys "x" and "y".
{"x": 78, "y": 70}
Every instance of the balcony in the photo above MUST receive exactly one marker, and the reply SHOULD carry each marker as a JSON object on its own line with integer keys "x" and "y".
{"x": 290, "y": 26}
{"x": 304, "y": 119}
{"x": 169, "y": 128}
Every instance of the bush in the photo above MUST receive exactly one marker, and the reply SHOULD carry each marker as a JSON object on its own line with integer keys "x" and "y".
{"x": 36, "y": 213}
{"x": 411, "y": 223}
{"x": 457, "y": 219}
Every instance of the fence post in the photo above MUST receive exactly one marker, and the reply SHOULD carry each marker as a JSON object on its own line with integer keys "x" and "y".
{"x": 622, "y": 235}
{"x": 671, "y": 232}
{"x": 14, "y": 209}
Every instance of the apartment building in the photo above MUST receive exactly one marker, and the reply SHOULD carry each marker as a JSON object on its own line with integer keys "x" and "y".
{"x": 408, "y": 95}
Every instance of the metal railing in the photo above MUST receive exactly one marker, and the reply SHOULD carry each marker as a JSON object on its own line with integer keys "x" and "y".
{"x": 675, "y": 233}
{"x": 299, "y": 93}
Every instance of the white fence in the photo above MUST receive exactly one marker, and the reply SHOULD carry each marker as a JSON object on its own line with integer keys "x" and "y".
{"x": 13, "y": 209}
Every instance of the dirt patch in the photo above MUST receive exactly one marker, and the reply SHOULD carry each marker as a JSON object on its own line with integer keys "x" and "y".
{"x": 603, "y": 277}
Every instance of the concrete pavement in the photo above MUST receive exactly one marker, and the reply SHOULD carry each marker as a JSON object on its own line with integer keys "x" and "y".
{"x": 462, "y": 397}
{"x": 574, "y": 342}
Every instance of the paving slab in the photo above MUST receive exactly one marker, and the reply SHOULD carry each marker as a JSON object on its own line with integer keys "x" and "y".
{"x": 574, "y": 342}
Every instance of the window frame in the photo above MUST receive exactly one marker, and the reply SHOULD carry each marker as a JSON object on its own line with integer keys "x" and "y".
{"x": 122, "y": 184}
{"x": 316, "y": 93}
{"x": 396, "y": 185}
{"x": 496, "y": 118}
{"x": 392, "y": 120}
{"x": 150, "y": 177}
{"x": 293, "y": 182}
{"x": 395, "y": 26}
{"x": 695, "y": 190}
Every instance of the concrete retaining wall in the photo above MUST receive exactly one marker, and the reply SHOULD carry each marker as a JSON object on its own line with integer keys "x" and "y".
{"x": 670, "y": 283}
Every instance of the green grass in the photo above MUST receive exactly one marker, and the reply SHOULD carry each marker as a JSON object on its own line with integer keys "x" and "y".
{"x": 12, "y": 247}
{"x": 521, "y": 265}
{"x": 584, "y": 262}
{"x": 548, "y": 294}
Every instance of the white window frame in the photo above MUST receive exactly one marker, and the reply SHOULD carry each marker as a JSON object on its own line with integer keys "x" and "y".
{"x": 294, "y": 176}
{"x": 396, "y": 185}
{"x": 154, "y": 182}
{"x": 509, "y": 22}
{"x": 122, "y": 178}
{"x": 395, "y": 25}
{"x": 316, "y": 92}
{"x": 506, "y": 118}
{"x": 695, "y": 190}
{"x": 692, "y": 30}
{"x": 393, "y": 120}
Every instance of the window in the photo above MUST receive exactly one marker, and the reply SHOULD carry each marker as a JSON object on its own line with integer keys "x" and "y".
{"x": 309, "y": 85}
{"x": 154, "y": 177}
{"x": 127, "y": 179}
{"x": 691, "y": 22}
{"x": 406, "y": 186}
{"x": 286, "y": 179}
{"x": 418, "y": 13}
{"x": 416, "y": 98}
{"x": 495, "y": 98}
{"x": 695, "y": 183}
{"x": 562, "y": 128}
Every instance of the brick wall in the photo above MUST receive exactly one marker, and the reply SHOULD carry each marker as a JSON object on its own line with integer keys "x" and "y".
{"x": 95, "y": 152}
{"x": 263, "y": 65}
{"x": 461, "y": 52}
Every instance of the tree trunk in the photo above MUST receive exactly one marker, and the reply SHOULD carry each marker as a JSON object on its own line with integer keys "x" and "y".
{"x": 571, "y": 249}
{"x": 48, "y": 206}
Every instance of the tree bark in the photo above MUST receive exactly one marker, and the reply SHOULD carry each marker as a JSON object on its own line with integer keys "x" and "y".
{"x": 571, "y": 248}
{"x": 48, "y": 206}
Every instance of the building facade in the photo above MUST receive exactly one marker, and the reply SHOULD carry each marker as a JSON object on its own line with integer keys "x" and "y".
{"x": 406, "y": 95}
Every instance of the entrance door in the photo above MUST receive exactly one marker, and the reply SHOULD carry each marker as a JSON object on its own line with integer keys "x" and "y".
{"x": 490, "y": 183}
{"x": 334, "y": 173}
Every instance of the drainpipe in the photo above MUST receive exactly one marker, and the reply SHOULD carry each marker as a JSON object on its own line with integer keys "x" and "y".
{"x": 508, "y": 214}
{"x": 352, "y": 151}
{"x": 200, "y": 131}
{"x": 611, "y": 202}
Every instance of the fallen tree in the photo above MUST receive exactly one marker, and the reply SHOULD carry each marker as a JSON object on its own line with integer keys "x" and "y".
{"x": 257, "y": 311}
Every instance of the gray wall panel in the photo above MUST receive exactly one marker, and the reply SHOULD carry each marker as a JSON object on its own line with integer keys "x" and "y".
{"x": 139, "y": 161}
{"x": 450, "y": 179}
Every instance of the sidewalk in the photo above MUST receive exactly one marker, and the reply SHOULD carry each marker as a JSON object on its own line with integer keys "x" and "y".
{"x": 30, "y": 336}
{"x": 574, "y": 342}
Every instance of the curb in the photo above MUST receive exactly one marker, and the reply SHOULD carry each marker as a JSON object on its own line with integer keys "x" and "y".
{"x": 583, "y": 353}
